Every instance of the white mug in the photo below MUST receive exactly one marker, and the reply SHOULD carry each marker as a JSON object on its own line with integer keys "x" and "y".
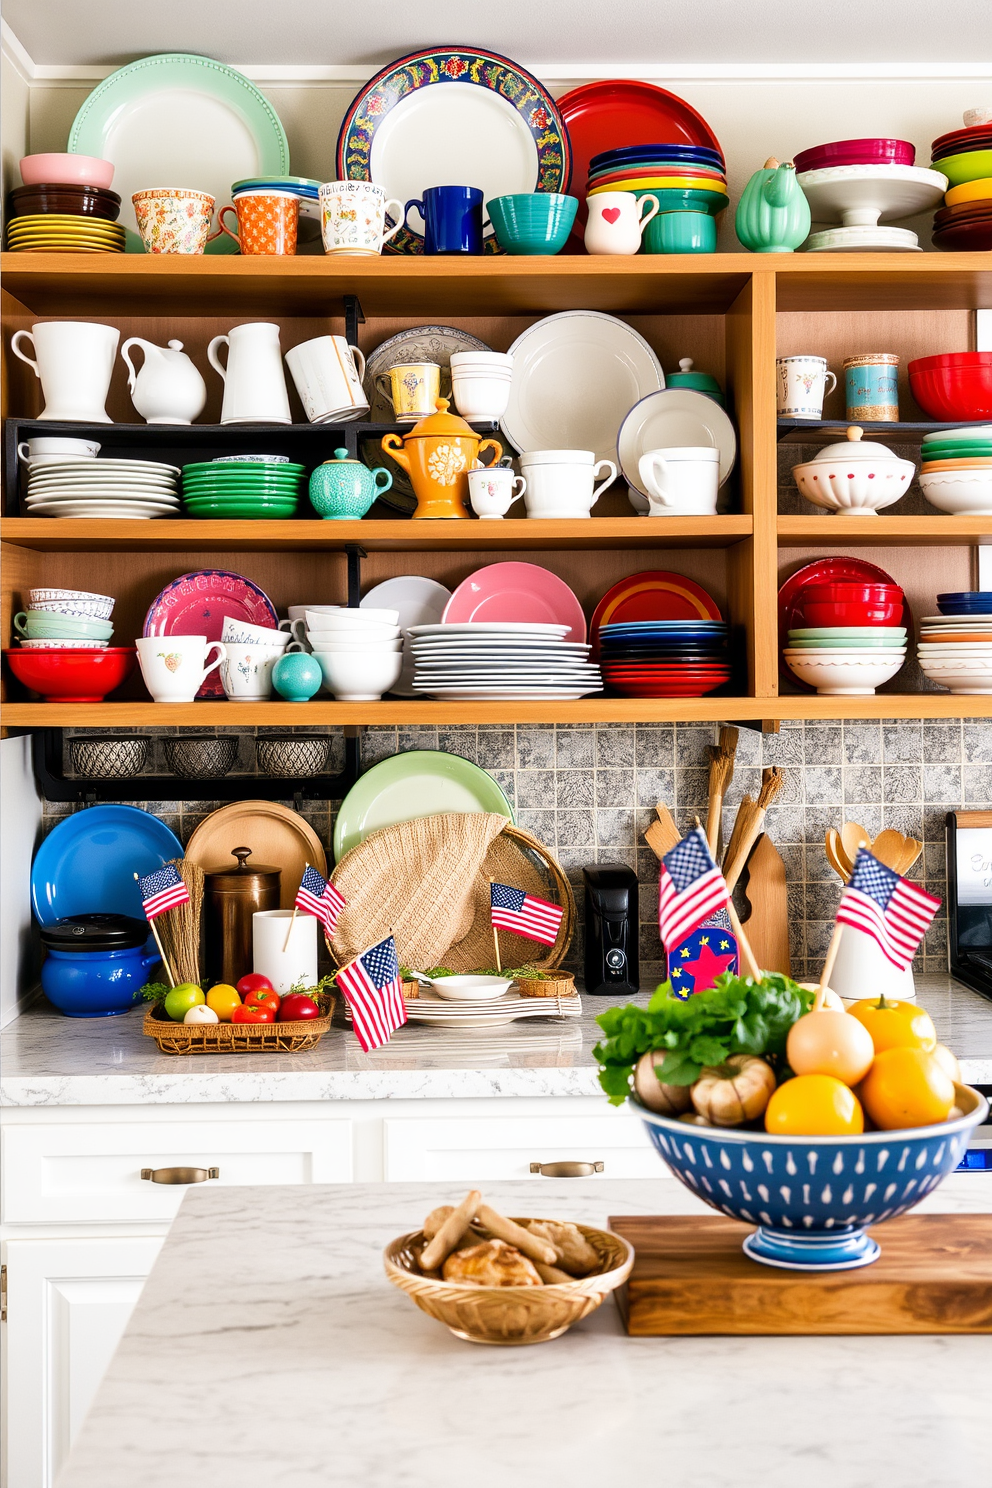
{"x": 240, "y": 633}
{"x": 284, "y": 947}
{"x": 47, "y": 450}
{"x": 246, "y": 670}
{"x": 75, "y": 362}
{"x": 480, "y": 383}
{"x": 681, "y": 482}
{"x": 297, "y": 628}
{"x": 328, "y": 375}
{"x": 492, "y": 492}
{"x": 801, "y": 385}
{"x": 560, "y": 483}
{"x": 617, "y": 220}
{"x": 254, "y": 382}
{"x": 174, "y": 667}
{"x": 353, "y": 217}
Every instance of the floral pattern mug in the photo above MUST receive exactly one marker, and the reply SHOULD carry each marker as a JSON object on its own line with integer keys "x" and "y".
{"x": 353, "y": 217}
{"x": 173, "y": 220}
{"x": 267, "y": 222}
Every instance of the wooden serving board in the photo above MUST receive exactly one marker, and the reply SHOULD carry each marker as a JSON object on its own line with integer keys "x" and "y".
{"x": 690, "y": 1276}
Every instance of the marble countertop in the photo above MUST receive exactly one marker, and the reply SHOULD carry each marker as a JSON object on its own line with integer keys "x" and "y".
{"x": 308, "y": 1368}
{"x": 50, "y": 1060}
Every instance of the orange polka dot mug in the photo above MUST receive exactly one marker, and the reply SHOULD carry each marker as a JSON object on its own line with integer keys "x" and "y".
{"x": 267, "y": 222}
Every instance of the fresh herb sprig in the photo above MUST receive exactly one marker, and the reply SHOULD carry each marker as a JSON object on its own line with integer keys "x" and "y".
{"x": 737, "y": 1015}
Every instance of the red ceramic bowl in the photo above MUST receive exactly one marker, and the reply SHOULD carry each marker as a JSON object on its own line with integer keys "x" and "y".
{"x": 832, "y": 612}
{"x": 956, "y": 386}
{"x": 851, "y": 591}
{"x": 856, "y": 152}
{"x": 73, "y": 676}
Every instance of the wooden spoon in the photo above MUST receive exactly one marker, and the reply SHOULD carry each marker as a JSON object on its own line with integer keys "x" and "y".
{"x": 852, "y": 835}
{"x": 833, "y": 851}
{"x": 889, "y": 847}
{"x": 910, "y": 853}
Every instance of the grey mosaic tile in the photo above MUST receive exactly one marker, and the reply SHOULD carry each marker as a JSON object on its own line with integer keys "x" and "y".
{"x": 535, "y": 748}
{"x": 614, "y": 788}
{"x": 655, "y": 747}
{"x": 615, "y": 748}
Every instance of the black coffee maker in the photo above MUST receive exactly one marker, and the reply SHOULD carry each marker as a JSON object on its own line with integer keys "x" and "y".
{"x": 611, "y": 964}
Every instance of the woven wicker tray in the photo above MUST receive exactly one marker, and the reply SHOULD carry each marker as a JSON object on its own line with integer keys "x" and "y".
{"x": 233, "y": 1038}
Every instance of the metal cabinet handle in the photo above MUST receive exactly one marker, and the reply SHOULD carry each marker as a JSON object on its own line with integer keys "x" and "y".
{"x": 179, "y": 1175}
{"x": 567, "y": 1169}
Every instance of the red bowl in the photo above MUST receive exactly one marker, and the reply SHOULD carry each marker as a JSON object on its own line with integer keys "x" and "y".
{"x": 956, "y": 386}
{"x": 831, "y": 612}
{"x": 851, "y": 592}
{"x": 856, "y": 152}
{"x": 73, "y": 676}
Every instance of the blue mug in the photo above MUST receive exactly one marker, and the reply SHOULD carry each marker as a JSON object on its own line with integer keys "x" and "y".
{"x": 452, "y": 219}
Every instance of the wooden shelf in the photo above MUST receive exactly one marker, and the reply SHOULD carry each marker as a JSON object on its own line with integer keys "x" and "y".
{"x": 65, "y": 535}
{"x": 882, "y": 281}
{"x": 884, "y": 531}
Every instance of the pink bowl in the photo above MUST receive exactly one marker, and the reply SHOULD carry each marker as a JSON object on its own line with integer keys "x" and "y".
{"x": 956, "y": 386}
{"x": 67, "y": 170}
{"x": 73, "y": 676}
{"x": 856, "y": 152}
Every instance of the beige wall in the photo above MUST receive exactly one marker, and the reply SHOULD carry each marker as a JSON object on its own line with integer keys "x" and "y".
{"x": 14, "y": 121}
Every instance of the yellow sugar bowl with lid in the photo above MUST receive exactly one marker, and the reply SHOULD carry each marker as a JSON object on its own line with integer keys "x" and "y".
{"x": 437, "y": 455}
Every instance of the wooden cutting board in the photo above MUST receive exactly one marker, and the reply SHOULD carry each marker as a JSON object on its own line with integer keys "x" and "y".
{"x": 691, "y": 1277}
{"x": 765, "y": 889}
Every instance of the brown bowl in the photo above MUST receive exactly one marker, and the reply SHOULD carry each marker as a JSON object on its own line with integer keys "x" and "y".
{"x": 510, "y": 1316}
{"x": 73, "y": 201}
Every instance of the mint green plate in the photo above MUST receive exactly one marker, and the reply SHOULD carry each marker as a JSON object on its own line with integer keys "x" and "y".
{"x": 818, "y": 632}
{"x": 852, "y": 643}
{"x": 422, "y": 782}
{"x": 249, "y": 513}
{"x": 957, "y": 451}
{"x": 975, "y": 433}
{"x": 208, "y": 120}
{"x": 238, "y": 488}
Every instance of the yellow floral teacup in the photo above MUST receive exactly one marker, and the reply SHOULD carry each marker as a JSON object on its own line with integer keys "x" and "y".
{"x": 412, "y": 388}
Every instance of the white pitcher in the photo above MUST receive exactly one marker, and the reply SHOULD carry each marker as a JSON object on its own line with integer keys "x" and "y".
{"x": 75, "y": 361}
{"x": 168, "y": 389}
{"x": 861, "y": 970}
{"x": 254, "y": 382}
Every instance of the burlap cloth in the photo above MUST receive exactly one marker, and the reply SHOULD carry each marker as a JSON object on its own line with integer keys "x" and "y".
{"x": 427, "y": 882}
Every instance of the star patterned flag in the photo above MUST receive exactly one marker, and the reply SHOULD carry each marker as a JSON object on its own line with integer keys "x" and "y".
{"x": 704, "y": 955}
{"x": 371, "y": 987}
{"x": 161, "y": 891}
{"x": 690, "y": 888}
{"x": 893, "y": 911}
{"x": 318, "y": 897}
{"x": 524, "y": 914}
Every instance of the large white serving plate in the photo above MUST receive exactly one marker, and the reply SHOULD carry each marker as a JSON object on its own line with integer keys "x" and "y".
{"x": 97, "y": 510}
{"x": 107, "y": 467}
{"x": 575, "y": 377}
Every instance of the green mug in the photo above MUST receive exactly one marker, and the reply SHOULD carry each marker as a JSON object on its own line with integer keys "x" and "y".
{"x": 684, "y": 232}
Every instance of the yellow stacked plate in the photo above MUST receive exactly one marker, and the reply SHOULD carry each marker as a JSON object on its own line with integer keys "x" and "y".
{"x": 55, "y": 232}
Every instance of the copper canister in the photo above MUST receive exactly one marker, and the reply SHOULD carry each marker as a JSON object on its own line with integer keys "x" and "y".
{"x": 232, "y": 896}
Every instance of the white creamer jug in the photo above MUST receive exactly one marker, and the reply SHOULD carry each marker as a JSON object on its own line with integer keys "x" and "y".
{"x": 168, "y": 389}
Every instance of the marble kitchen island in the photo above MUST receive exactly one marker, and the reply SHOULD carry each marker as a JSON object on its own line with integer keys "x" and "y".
{"x": 268, "y": 1350}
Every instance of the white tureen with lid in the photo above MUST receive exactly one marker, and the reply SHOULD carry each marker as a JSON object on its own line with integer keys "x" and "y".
{"x": 856, "y": 476}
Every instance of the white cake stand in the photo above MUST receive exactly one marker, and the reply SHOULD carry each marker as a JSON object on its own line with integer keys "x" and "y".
{"x": 863, "y": 240}
{"x": 864, "y": 195}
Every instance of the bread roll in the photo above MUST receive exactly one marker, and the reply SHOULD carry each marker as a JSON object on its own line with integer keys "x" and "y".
{"x": 493, "y": 1263}
{"x": 573, "y": 1251}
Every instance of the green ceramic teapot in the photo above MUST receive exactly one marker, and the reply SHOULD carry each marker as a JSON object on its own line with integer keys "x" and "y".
{"x": 343, "y": 489}
{"x": 773, "y": 214}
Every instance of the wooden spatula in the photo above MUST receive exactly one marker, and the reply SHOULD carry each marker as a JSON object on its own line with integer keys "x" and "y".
{"x": 662, "y": 835}
{"x": 888, "y": 847}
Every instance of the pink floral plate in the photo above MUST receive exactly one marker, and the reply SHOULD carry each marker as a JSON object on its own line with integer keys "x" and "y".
{"x": 197, "y": 603}
{"x": 516, "y": 592}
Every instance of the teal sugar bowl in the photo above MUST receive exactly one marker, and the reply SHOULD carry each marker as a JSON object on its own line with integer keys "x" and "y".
{"x": 533, "y": 221}
{"x": 684, "y": 232}
{"x": 343, "y": 489}
{"x": 296, "y": 677}
{"x": 672, "y": 200}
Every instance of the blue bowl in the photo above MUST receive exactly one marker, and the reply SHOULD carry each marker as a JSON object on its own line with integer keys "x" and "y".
{"x": 662, "y": 150}
{"x": 532, "y": 222}
{"x": 813, "y": 1197}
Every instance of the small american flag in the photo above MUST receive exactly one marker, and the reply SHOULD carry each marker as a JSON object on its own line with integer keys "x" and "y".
{"x": 371, "y": 987}
{"x": 162, "y": 890}
{"x": 524, "y": 914}
{"x": 893, "y": 911}
{"x": 318, "y": 897}
{"x": 690, "y": 888}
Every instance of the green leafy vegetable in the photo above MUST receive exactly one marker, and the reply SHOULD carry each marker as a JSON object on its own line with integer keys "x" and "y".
{"x": 735, "y": 1016}
{"x": 153, "y": 992}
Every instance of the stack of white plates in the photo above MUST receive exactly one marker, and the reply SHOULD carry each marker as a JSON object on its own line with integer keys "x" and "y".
{"x": 439, "y": 1013}
{"x": 103, "y": 488}
{"x": 955, "y": 651}
{"x": 501, "y": 659}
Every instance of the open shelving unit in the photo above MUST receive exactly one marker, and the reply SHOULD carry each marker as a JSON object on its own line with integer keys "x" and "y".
{"x": 733, "y": 313}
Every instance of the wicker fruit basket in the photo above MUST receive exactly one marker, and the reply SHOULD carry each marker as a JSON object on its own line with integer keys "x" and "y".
{"x": 234, "y": 1038}
{"x": 561, "y": 985}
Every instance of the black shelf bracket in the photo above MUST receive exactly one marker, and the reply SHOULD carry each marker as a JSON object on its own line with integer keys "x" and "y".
{"x": 354, "y": 316}
{"x": 355, "y": 553}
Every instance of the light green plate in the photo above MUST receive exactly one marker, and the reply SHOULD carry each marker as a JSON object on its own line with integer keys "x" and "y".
{"x": 422, "y": 782}
{"x": 291, "y": 488}
{"x": 177, "y": 119}
{"x": 820, "y": 632}
{"x": 851, "y": 643}
{"x": 970, "y": 165}
{"x": 969, "y": 435}
{"x": 232, "y": 467}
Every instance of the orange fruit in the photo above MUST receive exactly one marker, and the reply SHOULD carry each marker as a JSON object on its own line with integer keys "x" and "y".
{"x": 907, "y": 1087}
{"x": 895, "y": 1025}
{"x": 223, "y": 998}
{"x": 814, "y": 1106}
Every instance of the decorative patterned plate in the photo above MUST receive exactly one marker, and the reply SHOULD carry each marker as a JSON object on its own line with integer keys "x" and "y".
{"x": 177, "y": 117}
{"x": 455, "y": 114}
{"x": 426, "y": 343}
{"x": 196, "y": 604}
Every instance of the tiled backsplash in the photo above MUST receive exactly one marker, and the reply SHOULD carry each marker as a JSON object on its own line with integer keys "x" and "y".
{"x": 588, "y": 792}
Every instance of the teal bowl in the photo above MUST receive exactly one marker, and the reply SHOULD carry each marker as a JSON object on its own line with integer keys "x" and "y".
{"x": 532, "y": 222}
{"x": 671, "y": 200}
{"x": 682, "y": 232}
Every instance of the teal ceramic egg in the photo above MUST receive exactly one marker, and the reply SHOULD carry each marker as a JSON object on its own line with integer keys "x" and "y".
{"x": 343, "y": 489}
{"x": 296, "y": 677}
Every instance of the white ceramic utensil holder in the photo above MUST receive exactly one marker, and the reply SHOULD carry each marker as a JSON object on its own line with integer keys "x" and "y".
{"x": 285, "y": 965}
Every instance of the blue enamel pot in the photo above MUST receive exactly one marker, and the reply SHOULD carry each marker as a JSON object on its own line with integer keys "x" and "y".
{"x": 95, "y": 964}
{"x": 813, "y": 1198}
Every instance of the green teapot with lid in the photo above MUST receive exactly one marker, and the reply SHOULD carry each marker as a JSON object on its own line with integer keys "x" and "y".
{"x": 773, "y": 214}
{"x": 344, "y": 489}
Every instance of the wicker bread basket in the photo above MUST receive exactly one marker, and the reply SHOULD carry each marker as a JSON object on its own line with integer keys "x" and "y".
{"x": 562, "y": 985}
{"x": 234, "y": 1038}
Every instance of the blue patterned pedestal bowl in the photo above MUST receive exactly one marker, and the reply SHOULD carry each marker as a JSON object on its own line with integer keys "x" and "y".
{"x": 812, "y": 1198}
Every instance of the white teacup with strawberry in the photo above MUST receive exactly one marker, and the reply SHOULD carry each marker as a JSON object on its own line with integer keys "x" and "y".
{"x": 174, "y": 667}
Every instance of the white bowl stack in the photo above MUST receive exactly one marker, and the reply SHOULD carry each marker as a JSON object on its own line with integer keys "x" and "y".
{"x": 962, "y": 664}
{"x": 360, "y": 652}
{"x": 480, "y": 384}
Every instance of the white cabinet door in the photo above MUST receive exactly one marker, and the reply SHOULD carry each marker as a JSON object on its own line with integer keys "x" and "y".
{"x": 67, "y": 1304}
{"x": 475, "y": 1149}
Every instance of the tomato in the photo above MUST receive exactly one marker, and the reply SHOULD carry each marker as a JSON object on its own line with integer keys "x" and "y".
{"x": 253, "y": 982}
{"x": 223, "y": 999}
{"x": 246, "y": 1014}
{"x": 297, "y": 1005}
{"x": 907, "y": 1087}
{"x": 895, "y": 1025}
{"x": 264, "y": 997}
{"x": 814, "y": 1106}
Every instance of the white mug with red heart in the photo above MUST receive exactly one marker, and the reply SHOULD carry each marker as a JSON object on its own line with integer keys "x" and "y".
{"x": 617, "y": 220}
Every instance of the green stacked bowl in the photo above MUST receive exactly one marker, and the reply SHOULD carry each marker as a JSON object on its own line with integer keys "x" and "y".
{"x": 664, "y": 234}
{"x": 533, "y": 221}
{"x": 237, "y": 488}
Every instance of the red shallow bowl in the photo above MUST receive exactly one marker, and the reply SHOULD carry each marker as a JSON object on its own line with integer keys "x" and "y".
{"x": 956, "y": 386}
{"x": 73, "y": 676}
{"x": 856, "y": 152}
{"x": 830, "y": 612}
